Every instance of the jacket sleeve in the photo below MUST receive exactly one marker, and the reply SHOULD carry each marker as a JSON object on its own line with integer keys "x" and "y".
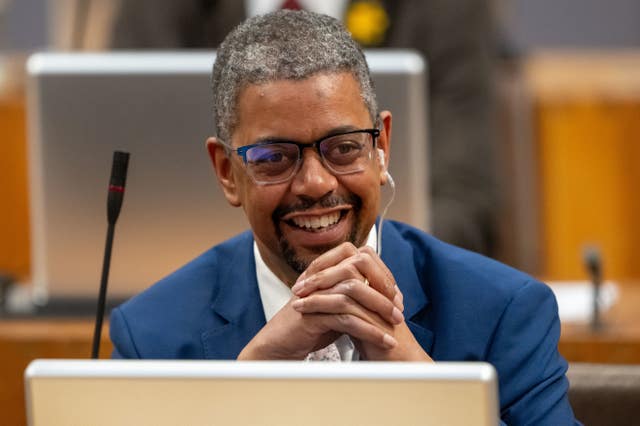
{"x": 524, "y": 349}
{"x": 123, "y": 344}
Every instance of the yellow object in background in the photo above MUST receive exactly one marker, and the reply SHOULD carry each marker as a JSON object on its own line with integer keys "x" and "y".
{"x": 367, "y": 21}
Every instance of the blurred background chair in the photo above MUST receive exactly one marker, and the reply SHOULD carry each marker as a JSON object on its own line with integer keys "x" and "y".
{"x": 605, "y": 394}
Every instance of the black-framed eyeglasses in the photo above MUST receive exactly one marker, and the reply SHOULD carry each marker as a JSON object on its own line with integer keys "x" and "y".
{"x": 277, "y": 161}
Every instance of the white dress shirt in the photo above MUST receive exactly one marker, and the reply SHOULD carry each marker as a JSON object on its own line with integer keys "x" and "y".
{"x": 275, "y": 294}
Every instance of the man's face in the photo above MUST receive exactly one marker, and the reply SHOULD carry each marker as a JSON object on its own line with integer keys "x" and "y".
{"x": 296, "y": 221}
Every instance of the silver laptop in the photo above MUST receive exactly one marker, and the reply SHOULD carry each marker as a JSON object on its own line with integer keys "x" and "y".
{"x": 72, "y": 392}
{"x": 157, "y": 106}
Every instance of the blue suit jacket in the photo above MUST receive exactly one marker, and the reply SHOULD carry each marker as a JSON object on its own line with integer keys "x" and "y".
{"x": 460, "y": 306}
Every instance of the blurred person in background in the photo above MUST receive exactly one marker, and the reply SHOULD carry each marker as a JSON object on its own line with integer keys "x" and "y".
{"x": 456, "y": 37}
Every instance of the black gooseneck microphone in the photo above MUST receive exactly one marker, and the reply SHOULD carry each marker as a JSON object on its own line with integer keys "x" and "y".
{"x": 114, "y": 203}
{"x": 593, "y": 263}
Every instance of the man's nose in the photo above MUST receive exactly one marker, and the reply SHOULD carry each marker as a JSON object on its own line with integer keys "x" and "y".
{"x": 313, "y": 179}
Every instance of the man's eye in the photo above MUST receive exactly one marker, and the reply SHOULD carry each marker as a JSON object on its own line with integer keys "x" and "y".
{"x": 345, "y": 148}
{"x": 262, "y": 155}
{"x": 272, "y": 157}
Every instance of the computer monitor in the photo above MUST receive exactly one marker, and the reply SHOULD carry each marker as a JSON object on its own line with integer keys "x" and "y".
{"x": 74, "y": 392}
{"x": 158, "y": 107}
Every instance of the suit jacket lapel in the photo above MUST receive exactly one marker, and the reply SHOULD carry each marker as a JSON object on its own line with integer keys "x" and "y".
{"x": 398, "y": 255}
{"x": 237, "y": 305}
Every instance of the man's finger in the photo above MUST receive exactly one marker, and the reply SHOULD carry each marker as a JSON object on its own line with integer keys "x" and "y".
{"x": 348, "y": 297}
{"x": 359, "y": 329}
{"x": 328, "y": 277}
{"x": 329, "y": 258}
{"x": 379, "y": 276}
{"x": 360, "y": 266}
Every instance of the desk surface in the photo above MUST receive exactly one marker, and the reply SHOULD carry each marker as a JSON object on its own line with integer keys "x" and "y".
{"x": 617, "y": 342}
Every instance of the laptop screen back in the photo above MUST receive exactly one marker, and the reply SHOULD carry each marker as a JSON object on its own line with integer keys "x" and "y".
{"x": 246, "y": 393}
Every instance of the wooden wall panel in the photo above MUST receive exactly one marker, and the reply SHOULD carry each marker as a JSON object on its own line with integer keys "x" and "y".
{"x": 587, "y": 123}
{"x": 14, "y": 214}
{"x": 589, "y": 161}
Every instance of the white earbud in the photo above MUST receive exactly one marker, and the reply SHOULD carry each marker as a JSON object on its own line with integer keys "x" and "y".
{"x": 382, "y": 165}
{"x": 381, "y": 157}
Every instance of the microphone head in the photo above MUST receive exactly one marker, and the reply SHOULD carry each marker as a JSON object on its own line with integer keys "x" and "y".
{"x": 116, "y": 185}
{"x": 119, "y": 169}
{"x": 592, "y": 259}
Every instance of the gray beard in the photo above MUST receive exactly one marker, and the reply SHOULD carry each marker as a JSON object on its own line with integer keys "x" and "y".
{"x": 299, "y": 263}
{"x": 295, "y": 260}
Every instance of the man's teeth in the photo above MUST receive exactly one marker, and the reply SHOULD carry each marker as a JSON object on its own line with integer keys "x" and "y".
{"x": 316, "y": 222}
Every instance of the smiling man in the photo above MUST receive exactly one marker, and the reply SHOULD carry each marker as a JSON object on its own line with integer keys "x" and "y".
{"x": 301, "y": 147}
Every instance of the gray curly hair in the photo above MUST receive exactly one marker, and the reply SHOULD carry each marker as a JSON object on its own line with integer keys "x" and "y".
{"x": 283, "y": 45}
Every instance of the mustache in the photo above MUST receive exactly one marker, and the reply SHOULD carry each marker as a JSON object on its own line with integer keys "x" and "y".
{"x": 328, "y": 201}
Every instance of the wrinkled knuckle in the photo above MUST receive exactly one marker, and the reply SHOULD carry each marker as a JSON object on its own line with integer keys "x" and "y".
{"x": 348, "y": 247}
{"x": 356, "y": 262}
{"x": 313, "y": 264}
{"x": 317, "y": 277}
{"x": 344, "y": 301}
{"x": 350, "y": 286}
{"x": 361, "y": 258}
{"x": 389, "y": 275}
{"x": 344, "y": 287}
{"x": 367, "y": 250}
{"x": 353, "y": 269}
{"x": 390, "y": 286}
{"x": 345, "y": 319}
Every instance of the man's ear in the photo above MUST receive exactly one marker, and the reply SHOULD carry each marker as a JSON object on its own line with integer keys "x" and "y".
{"x": 224, "y": 171}
{"x": 384, "y": 143}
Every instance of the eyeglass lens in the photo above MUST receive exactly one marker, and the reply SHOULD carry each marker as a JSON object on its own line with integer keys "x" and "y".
{"x": 278, "y": 161}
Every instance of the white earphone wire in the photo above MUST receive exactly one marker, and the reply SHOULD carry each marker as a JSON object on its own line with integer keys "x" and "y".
{"x": 386, "y": 207}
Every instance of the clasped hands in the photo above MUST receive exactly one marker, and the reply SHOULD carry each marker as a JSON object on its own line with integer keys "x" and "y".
{"x": 346, "y": 290}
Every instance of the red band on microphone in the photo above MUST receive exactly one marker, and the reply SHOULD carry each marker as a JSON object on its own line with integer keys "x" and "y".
{"x": 116, "y": 188}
